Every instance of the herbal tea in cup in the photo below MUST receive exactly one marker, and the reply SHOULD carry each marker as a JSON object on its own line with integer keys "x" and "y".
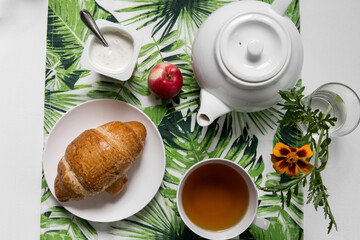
{"x": 217, "y": 199}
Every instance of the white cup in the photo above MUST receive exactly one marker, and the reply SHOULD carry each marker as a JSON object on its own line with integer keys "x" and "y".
{"x": 243, "y": 223}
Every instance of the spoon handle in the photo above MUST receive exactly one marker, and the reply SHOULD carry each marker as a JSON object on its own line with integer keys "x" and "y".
{"x": 89, "y": 22}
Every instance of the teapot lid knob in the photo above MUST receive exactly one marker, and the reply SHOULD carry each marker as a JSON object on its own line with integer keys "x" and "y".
{"x": 254, "y": 50}
{"x": 253, "y": 47}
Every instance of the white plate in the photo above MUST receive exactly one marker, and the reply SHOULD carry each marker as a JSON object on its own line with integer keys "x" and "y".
{"x": 145, "y": 175}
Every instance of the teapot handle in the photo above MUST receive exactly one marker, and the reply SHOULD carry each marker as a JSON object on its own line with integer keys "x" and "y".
{"x": 280, "y": 6}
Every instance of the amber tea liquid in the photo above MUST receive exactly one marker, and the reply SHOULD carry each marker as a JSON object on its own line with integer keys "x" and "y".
{"x": 215, "y": 197}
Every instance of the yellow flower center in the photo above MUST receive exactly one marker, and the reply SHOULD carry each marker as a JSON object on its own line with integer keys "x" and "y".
{"x": 292, "y": 158}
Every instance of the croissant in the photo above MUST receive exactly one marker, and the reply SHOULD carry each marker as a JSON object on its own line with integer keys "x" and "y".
{"x": 98, "y": 159}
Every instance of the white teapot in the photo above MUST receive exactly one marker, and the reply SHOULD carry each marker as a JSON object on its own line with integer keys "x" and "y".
{"x": 243, "y": 54}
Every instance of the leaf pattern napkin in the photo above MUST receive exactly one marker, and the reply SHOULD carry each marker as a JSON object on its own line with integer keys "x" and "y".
{"x": 169, "y": 27}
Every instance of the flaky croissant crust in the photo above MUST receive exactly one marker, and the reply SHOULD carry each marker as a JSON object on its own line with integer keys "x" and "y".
{"x": 98, "y": 159}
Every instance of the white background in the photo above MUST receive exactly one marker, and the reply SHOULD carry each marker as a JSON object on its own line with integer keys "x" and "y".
{"x": 331, "y": 35}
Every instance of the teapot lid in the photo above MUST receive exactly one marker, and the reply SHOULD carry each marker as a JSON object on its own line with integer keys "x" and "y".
{"x": 254, "y": 47}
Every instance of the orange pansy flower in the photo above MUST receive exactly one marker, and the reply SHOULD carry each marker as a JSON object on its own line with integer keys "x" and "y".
{"x": 288, "y": 159}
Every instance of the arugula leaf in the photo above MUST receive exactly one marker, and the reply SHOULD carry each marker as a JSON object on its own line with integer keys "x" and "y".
{"x": 316, "y": 133}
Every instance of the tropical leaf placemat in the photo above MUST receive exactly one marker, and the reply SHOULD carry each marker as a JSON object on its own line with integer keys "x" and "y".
{"x": 169, "y": 27}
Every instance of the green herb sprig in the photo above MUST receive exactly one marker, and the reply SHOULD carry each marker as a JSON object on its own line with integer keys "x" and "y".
{"x": 316, "y": 134}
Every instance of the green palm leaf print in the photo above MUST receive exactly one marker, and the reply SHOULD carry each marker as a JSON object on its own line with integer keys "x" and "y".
{"x": 286, "y": 221}
{"x": 167, "y": 14}
{"x": 155, "y": 221}
{"x": 218, "y": 140}
{"x": 64, "y": 225}
{"x": 66, "y": 36}
{"x": 170, "y": 27}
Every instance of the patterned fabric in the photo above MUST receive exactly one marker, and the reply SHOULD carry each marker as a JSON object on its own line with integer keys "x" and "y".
{"x": 169, "y": 27}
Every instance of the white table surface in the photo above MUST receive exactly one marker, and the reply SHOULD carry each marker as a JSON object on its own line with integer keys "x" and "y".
{"x": 331, "y": 35}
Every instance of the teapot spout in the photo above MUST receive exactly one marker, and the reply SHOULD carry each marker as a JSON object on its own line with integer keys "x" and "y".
{"x": 210, "y": 108}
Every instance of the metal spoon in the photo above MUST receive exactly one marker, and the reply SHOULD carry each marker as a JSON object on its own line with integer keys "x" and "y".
{"x": 89, "y": 22}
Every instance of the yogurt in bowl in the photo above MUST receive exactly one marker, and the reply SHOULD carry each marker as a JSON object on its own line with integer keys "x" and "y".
{"x": 118, "y": 60}
{"x": 116, "y": 56}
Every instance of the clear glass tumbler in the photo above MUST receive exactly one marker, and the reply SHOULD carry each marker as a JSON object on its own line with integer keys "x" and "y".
{"x": 339, "y": 101}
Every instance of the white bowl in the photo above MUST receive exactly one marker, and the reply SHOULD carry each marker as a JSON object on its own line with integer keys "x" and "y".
{"x": 120, "y": 71}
